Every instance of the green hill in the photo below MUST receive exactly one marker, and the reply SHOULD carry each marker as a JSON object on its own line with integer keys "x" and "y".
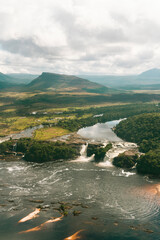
{"x": 66, "y": 83}
{"x": 6, "y": 82}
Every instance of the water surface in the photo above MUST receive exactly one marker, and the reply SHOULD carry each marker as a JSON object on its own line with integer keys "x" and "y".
{"x": 114, "y": 203}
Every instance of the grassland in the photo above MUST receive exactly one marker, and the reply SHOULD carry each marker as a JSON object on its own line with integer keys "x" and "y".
{"x": 49, "y": 133}
{"x": 21, "y": 110}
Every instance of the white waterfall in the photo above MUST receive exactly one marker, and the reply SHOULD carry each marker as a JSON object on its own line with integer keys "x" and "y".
{"x": 83, "y": 155}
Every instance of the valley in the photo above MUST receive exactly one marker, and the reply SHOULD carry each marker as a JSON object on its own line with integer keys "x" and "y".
{"x": 58, "y": 151}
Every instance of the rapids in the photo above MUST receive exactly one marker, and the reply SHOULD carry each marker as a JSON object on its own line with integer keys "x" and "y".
{"x": 113, "y": 203}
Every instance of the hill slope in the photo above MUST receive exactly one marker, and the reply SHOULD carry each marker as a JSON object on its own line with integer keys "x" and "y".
{"x": 6, "y": 81}
{"x": 65, "y": 83}
{"x": 22, "y": 78}
{"x": 152, "y": 73}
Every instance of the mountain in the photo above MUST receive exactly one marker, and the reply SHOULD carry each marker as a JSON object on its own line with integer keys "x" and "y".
{"x": 5, "y": 78}
{"x": 147, "y": 80}
{"x": 65, "y": 83}
{"x": 22, "y": 78}
{"x": 152, "y": 74}
{"x": 5, "y": 81}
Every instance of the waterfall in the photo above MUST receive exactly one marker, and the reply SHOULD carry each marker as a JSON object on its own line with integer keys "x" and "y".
{"x": 83, "y": 151}
{"x": 15, "y": 148}
{"x": 83, "y": 155}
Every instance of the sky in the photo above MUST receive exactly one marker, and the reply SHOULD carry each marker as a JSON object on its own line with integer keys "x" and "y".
{"x": 117, "y": 37}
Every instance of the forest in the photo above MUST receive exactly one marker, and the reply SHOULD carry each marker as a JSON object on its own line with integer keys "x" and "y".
{"x": 143, "y": 129}
{"x": 39, "y": 151}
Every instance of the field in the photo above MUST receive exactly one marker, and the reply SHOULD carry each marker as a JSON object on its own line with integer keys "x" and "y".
{"x": 67, "y": 112}
{"x": 49, "y": 133}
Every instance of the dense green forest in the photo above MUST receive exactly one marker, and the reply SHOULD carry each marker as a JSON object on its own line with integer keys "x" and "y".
{"x": 39, "y": 151}
{"x": 125, "y": 161}
{"x": 25, "y": 103}
{"x": 64, "y": 100}
{"x": 109, "y": 114}
{"x": 143, "y": 129}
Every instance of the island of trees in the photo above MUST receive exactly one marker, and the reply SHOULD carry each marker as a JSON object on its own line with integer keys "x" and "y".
{"x": 39, "y": 151}
{"x": 143, "y": 129}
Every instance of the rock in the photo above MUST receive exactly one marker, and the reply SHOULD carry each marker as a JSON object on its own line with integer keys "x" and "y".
{"x": 57, "y": 209}
{"x": 148, "y": 231}
{"x": 45, "y": 206}
{"x": 36, "y": 201}
{"x": 77, "y": 204}
{"x": 62, "y": 203}
{"x": 76, "y": 213}
{"x": 20, "y": 154}
{"x": 133, "y": 228}
{"x": 115, "y": 223}
{"x": 84, "y": 206}
{"x": 11, "y": 200}
{"x": 39, "y": 206}
{"x": 9, "y": 153}
{"x": 68, "y": 207}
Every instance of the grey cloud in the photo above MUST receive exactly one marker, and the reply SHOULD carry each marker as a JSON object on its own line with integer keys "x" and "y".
{"x": 112, "y": 35}
{"x": 127, "y": 63}
{"x": 146, "y": 31}
{"x": 81, "y": 36}
{"x": 28, "y": 48}
{"x": 146, "y": 55}
{"x": 120, "y": 19}
{"x": 140, "y": 31}
{"x": 105, "y": 52}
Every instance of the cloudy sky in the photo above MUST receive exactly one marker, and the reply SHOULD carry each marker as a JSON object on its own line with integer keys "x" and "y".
{"x": 79, "y": 36}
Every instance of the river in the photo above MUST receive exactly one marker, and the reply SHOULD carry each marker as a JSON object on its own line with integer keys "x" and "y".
{"x": 113, "y": 203}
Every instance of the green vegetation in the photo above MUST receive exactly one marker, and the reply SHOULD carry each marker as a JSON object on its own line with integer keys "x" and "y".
{"x": 98, "y": 150}
{"x": 143, "y": 129}
{"x": 39, "y": 151}
{"x": 125, "y": 161}
{"x": 6, "y": 146}
{"x": 14, "y": 119}
{"x": 140, "y": 127}
{"x": 67, "y": 83}
{"x": 150, "y": 163}
{"x": 109, "y": 114}
{"x": 48, "y": 133}
{"x": 48, "y": 100}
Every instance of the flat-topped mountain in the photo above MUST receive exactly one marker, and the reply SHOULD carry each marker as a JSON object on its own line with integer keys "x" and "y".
{"x": 67, "y": 83}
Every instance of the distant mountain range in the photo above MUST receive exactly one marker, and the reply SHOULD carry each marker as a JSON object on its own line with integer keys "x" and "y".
{"x": 15, "y": 80}
{"x": 6, "y": 81}
{"x": 22, "y": 78}
{"x": 104, "y": 84}
{"x": 147, "y": 80}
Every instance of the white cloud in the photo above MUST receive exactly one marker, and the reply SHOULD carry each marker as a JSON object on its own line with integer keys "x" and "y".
{"x": 79, "y": 36}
